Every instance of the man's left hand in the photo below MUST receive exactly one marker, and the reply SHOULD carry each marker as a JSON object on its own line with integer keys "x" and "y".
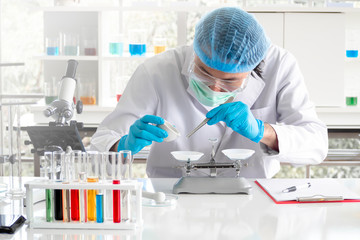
{"x": 238, "y": 116}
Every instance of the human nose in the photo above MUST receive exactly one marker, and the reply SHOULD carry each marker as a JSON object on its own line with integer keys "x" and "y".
{"x": 216, "y": 86}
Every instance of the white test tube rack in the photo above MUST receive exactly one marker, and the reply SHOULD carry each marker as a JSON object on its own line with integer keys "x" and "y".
{"x": 40, "y": 221}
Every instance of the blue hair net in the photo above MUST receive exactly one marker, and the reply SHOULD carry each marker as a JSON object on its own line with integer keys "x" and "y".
{"x": 230, "y": 40}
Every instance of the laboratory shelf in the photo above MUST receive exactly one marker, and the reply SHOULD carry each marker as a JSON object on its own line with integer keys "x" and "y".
{"x": 77, "y": 9}
{"x": 11, "y": 64}
{"x": 57, "y": 58}
{"x": 354, "y": 109}
{"x": 352, "y": 60}
{"x": 191, "y": 7}
{"x": 127, "y": 58}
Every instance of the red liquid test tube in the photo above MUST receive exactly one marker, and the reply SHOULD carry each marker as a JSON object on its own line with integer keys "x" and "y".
{"x": 116, "y": 204}
{"x": 75, "y": 205}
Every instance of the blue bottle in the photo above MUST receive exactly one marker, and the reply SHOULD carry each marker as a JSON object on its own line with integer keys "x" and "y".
{"x": 352, "y": 53}
{"x": 138, "y": 49}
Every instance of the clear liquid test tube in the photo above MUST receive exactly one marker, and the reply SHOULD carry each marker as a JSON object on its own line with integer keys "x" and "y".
{"x": 126, "y": 174}
{"x": 66, "y": 169}
{"x": 83, "y": 192}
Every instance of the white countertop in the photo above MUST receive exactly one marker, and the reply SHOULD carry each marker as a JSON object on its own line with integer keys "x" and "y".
{"x": 223, "y": 217}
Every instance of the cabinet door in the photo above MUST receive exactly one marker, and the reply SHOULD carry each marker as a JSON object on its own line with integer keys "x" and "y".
{"x": 274, "y": 26}
{"x": 317, "y": 40}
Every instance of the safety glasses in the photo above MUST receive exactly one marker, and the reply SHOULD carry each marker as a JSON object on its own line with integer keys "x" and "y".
{"x": 225, "y": 85}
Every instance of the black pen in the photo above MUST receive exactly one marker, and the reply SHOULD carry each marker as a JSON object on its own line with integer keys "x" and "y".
{"x": 294, "y": 188}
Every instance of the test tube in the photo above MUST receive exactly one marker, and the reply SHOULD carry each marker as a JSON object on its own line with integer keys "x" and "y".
{"x": 83, "y": 192}
{"x": 48, "y": 158}
{"x": 66, "y": 172}
{"x": 126, "y": 174}
{"x": 92, "y": 177}
{"x": 75, "y": 193}
{"x": 58, "y": 159}
{"x": 100, "y": 193}
{"x": 115, "y": 163}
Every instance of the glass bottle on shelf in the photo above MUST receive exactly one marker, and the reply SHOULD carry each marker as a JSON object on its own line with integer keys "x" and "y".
{"x": 50, "y": 90}
{"x": 87, "y": 90}
{"x": 159, "y": 45}
{"x": 71, "y": 44}
{"x": 90, "y": 47}
{"x": 137, "y": 42}
{"x": 52, "y": 46}
{"x": 116, "y": 45}
{"x": 352, "y": 43}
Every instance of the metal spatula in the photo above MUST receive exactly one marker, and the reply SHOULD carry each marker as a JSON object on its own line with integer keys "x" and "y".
{"x": 206, "y": 120}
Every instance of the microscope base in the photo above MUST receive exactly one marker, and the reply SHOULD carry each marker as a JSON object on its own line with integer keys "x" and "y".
{"x": 206, "y": 185}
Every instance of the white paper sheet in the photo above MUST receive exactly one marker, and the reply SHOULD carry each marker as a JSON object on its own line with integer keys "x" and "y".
{"x": 327, "y": 187}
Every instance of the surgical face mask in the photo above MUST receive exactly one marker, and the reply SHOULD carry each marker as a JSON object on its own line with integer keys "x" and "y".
{"x": 207, "y": 96}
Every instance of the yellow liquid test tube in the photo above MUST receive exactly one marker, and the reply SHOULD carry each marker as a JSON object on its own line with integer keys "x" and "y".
{"x": 91, "y": 204}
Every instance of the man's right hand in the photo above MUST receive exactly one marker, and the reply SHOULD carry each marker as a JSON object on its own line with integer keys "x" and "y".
{"x": 142, "y": 133}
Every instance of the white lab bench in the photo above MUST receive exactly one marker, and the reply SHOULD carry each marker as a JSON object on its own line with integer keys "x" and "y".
{"x": 223, "y": 217}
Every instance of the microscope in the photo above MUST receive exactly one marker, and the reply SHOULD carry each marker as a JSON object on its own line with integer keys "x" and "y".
{"x": 62, "y": 109}
{"x": 63, "y": 132}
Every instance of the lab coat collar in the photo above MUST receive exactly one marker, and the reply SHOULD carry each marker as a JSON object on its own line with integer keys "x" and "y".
{"x": 252, "y": 91}
{"x": 188, "y": 58}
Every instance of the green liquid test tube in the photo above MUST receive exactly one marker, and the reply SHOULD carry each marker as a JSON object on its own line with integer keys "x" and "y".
{"x": 48, "y": 205}
{"x": 47, "y": 166}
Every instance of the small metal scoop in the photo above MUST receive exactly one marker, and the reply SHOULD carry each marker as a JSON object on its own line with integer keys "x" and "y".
{"x": 206, "y": 120}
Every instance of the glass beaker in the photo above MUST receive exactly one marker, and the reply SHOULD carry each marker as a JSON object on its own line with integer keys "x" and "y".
{"x": 116, "y": 45}
{"x": 159, "y": 45}
{"x": 121, "y": 83}
{"x": 88, "y": 92}
{"x": 137, "y": 42}
{"x": 52, "y": 46}
{"x": 351, "y": 98}
{"x": 90, "y": 47}
{"x": 71, "y": 44}
{"x": 50, "y": 88}
{"x": 352, "y": 43}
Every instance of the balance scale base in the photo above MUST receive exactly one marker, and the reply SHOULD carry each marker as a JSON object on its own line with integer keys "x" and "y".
{"x": 206, "y": 185}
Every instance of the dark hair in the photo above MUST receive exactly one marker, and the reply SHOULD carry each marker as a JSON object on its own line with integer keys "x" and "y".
{"x": 259, "y": 69}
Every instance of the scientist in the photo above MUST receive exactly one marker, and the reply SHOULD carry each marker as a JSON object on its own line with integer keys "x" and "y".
{"x": 230, "y": 57}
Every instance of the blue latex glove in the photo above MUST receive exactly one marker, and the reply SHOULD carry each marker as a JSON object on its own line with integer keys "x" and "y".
{"x": 142, "y": 134}
{"x": 238, "y": 116}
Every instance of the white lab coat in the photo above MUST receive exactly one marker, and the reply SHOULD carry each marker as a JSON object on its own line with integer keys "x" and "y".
{"x": 160, "y": 87}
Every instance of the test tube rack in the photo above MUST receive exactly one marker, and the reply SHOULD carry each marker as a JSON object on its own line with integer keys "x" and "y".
{"x": 35, "y": 221}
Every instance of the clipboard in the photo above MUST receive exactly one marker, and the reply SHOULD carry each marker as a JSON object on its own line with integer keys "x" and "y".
{"x": 321, "y": 191}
